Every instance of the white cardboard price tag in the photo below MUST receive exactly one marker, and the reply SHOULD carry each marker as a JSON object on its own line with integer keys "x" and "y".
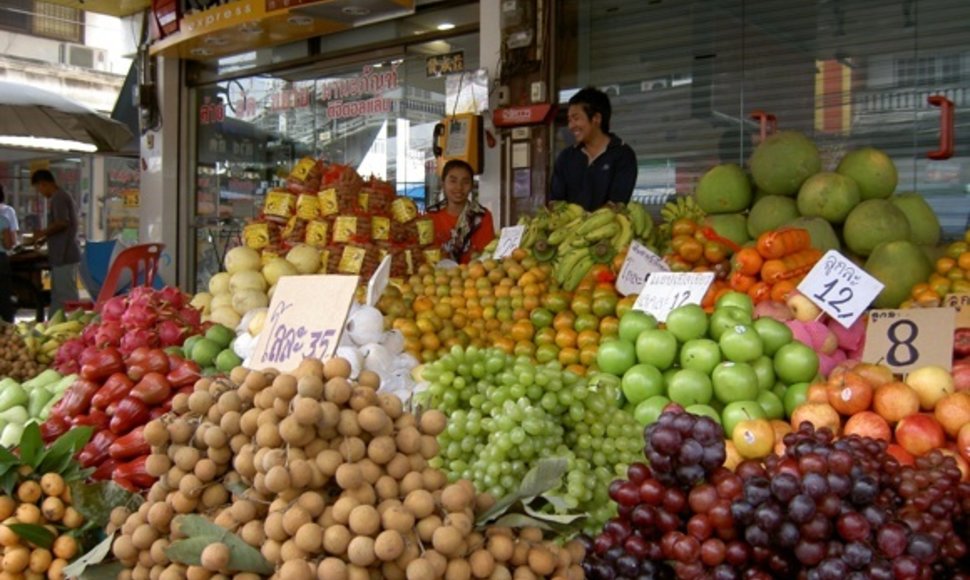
{"x": 306, "y": 316}
{"x": 961, "y": 302}
{"x": 508, "y": 240}
{"x": 379, "y": 281}
{"x": 664, "y": 291}
{"x": 905, "y": 340}
{"x": 840, "y": 288}
{"x": 639, "y": 263}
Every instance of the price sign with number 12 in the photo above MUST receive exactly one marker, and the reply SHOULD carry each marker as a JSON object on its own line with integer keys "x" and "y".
{"x": 305, "y": 319}
{"x": 840, "y": 288}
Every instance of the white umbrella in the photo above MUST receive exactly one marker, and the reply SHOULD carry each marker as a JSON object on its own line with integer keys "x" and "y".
{"x": 33, "y": 118}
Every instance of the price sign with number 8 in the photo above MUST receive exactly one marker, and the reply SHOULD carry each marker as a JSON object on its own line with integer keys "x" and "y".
{"x": 905, "y": 340}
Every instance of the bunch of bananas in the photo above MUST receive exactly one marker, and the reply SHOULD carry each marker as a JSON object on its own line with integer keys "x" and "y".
{"x": 681, "y": 207}
{"x": 42, "y": 339}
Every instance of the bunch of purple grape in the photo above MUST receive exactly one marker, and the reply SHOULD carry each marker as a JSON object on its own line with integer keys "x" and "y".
{"x": 683, "y": 448}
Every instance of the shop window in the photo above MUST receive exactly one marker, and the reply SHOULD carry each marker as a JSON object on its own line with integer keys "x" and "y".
{"x": 45, "y": 19}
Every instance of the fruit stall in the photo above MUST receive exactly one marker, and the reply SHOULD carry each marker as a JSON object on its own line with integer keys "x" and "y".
{"x": 770, "y": 380}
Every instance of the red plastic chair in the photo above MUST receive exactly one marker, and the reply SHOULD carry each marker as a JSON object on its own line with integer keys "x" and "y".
{"x": 141, "y": 261}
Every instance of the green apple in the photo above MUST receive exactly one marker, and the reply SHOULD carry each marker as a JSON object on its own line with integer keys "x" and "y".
{"x": 726, "y": 318}
{"x": 795, "y": 363}
{"x": 741, "y": 344}
{"x": 779, "y": 389}
{"x": 738, "y": 411}
{"x": 656, "y": 347}
{"x": 615, "y": 356}
{"x": 687, "y": 322}
{"x": 773, "y": 333}
{"x": 690, "y": 387}
{"x": 700, "y": 354}
{"x": 764, "y": 369}
{"x": 649, "y": 411}
{"x": 633, "y": 323}
{"x": 772, "y": 405}
{"x": 734, "y": 382}
{"x": 737, "y": 300}
{"x": 640, "y": 382}
{"x": 704, "y": 411}
{"x": 795, "y": 395}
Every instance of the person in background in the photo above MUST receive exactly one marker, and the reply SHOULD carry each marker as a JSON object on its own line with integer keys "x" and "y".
{"x": 7, "y": 242}
{"x": 10, "y": 214}
{"x": 461, "y": 225}
{"x": 599, "y": 167}
{"x": 63, "y": 251}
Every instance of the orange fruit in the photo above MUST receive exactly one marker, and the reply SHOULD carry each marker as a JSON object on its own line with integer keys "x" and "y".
{"x": 547, "y": 353}
{"x": 556, "y": 302}
{"x": 964, "y": 261}
{"x": 587, "y": 355}
{"x": 545, "y": 335}
{"x": 505, "y": 343}
{"x": 625, "y": 305}
{"x": 605, "y": 304}
{"x": 609, "y": 326}
{"x": 945, "y": 264}
{"x": 564, "y": 320}
{"x": 581, "y": 304}
{"x": 522, "y": 330}
{"x": 587, "y": 337}
{"x": 524, "y": 348}
{"x": 566, "y": 338}
{"x": 586, "y": 322}
{"x": 568, "y": 356}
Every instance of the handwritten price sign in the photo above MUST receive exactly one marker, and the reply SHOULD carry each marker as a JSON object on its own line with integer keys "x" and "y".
{"x": 962, "y": 303}
{"x": 640, "y": 262}
{"x": 508, "y": 241}
{"x": 840, "y": 288}
{"x": 302, "y": 325}
{"x": 664, "y": 291}
{"x": 905, "y": 340}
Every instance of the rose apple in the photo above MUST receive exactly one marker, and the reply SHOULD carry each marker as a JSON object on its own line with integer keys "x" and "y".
{"x": 753, "y": 438}
{"x": 734, "y": 382}
{"x": 795, "y": 363}
{"x": 953, "y": 412}
{"x": 741, "y": 344}
{"x": 895, "y": 400}
{"x": 687, "y": 322}
{"x": 690, "y": 387}
{"x": 640, "y": 382}
{"x": 656, "y": 347}
{"x": 819, "y": 415}
{"x": 633, "y": 323}
{"x": 700, "y": 354}
{"x": 931, "y": 384}
{"x": 615, "y": 356}
{"x": 802, "y": 308}
{"x": 773, "y": 334}
{"x": 868, "y": 424}
{"x": 919, "y": 434}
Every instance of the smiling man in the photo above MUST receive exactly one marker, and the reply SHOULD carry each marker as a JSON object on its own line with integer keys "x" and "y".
{"x": 599, "y": 167}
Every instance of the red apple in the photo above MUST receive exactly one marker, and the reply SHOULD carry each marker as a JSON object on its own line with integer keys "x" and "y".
{"x": 849, "y": 393}
{"x": 895, "y": 400}
{"x": 919, "y": 434}
{"x": 963, "y": 441}
{"x": 868, "y": 424}
{"x": 953, "y": 412}
{"x": 902, "y": 456}
{"x": 961, "y": 377}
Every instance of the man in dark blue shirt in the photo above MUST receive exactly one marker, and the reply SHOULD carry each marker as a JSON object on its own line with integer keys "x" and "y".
{"x": 600, "y": 167}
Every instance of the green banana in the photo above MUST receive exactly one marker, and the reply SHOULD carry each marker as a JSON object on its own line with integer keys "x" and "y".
{"x": 71, "y": 326}
{"x": 595, "y": 220}
{"x": 638, "y": 217}
{"x": 568, "y": 261}
{"x": 577, "y": 273}
{"x": 558, "y": 235}
{"x": 623, "y": 237}
{"x": 603, "y": 232}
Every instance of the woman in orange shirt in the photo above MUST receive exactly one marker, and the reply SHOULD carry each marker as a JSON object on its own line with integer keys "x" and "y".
{"x": 461, "y": 225}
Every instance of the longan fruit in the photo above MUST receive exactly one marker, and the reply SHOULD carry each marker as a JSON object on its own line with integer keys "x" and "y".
{"x": 273, "y": 527}
{"x": 381, "y": 450}
{"x": 310, "y": 386}
{"x": 482, "y": 563}
{"x": 501, "y": 547}
{"x": 309, "y": 537}
{"x": 337, "y": 390}
{"x": 16, "y": 559}
{"x": 214, "y": 496}
{"x": 40, "y": 560}
{"x": 360, "y": 551}
{"x": 294, "y": 518}
{"x": 461, "y": 521}
{"x": 531, "y": 534}
{"x": 458, "y": 569}
{"x": 157, "y": 464}
{"x": 277, "y": 479}
{"x": 284, "y": 386}
{"x": 342, "y": 509}
{"x": 215, "y": 557}
{"x": 389, "y": 545}
{"x": 66, "y": 547}
{"x": 52, "y": 508}
{"x": 306, "y": 411}
{"x": 142, "y": 538}
{"x": 369, "y": 379}
{"x": 372, "y": 419}
{"x": 541, "y": 561}
{"x": 364, "y": 520}
{"x": 160, "y": 516}
{"x": 352, "y": 449}
{"x": 433, "y": 479}
{"x": 576, "y": 551}
{"x": 52, "y": 484}
{"x": 420, "y": 502}
{"x": 447, "y": 540}
{"x": 349, "y": 476}
{"x": 386, "y": 487}
{"x": 347, "y": 424}
{"x": 432, "y": 422}
{"x": 72, "y": 518}
{"x": 399, "y": 466}
{"x": 252, "y": 533}
{"x": 28, "y": 513}
{"x": 420, "y": 569}
{"x": 408, "y": 440}
{"x": 297, "y": 570}
{"x": 455, "y": 497}
{"x": 411, "y": 482}
{"x": 427, "y": 526}
{"x": 336, "y": 538}
{"x": 271, "y": 551}
{"x": 157, "y": 551}
{"x": 336, "y": 367}
{"x": 429, "y": 446}
{"x": 520, "y": 555}
{"x": 290, "y": 551}
{"x": 123, "y": 548}
{"x": 398, "y": 518}
{"x": 332, "y": 569}
{"x": 392, "y": 405}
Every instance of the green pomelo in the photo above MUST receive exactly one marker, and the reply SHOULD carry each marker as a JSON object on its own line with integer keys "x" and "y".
{"x": 770, "y": 212}
{"x": 828, "y": 195}
{"x": 227, "y": 360}
{"x": 221, "y": 335}
{"x": 823, "y": 235}
{"x": 733, "y": 226}
{"x": 899, "y": 265}
{"x": 873, "y": 222}
{"x": 872, "y": 169}
{"x": 783, "y": 161}
{"x": 724, "y": 189}
{"x": 205, "y": 352}
{"x": 924, "y": 225}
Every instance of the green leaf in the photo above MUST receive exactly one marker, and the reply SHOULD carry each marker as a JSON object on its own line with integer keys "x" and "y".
{"x": 108, "y": 571}
{"x": 546, "y": 475}
{"x": 189, "y": 550}
{"x": 7, "y": 458}
{"x": 66, "y": 446}
{"x": 522, "y": 521}
{"x": 36, "y": 535}
{"x": 559, "y": 519}
{"x": 32, "y": 445}
{"x": 96, "y": 500}
{"x": 242, "y": 556}
{"x": 238, "y": 488}
{"x": 8, "y": 482}
{"x": 95, "y": 555}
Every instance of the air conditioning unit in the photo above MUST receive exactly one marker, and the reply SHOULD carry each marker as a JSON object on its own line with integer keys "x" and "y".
{"x": 654, "y": 84}
{"x": 83, "y": 56}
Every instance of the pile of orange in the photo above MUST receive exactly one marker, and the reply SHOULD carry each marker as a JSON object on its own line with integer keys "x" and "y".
{"x": 951, "y": 276}
{"x": 694, "y": 248}
{"x": 513, "y": 304}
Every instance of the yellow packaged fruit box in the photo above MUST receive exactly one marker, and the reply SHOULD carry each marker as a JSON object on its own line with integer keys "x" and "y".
{"x": 328, "y": 202}
{"x": 352, "y": 260}
{"x": 302, "y": 168}
{"x": 307, "y": 207}
{"x": 279, "y": 205}
{"x": 380, "y": 228}
{"x": 404, "y": 209}
{"x": 317, "y": 233}
{"x": 425, "y": 231}
{"x": 344, "y": 228}
{"x": 256, "y": 236}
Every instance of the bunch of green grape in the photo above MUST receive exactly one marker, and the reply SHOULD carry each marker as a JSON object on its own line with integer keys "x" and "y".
{"x": 505, "y": 413}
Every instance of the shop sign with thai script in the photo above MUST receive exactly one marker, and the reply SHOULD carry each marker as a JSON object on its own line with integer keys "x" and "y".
{"x": 373, "y": 82}
{"x": 210, "y": 112}
{"x": 442, "y": 64}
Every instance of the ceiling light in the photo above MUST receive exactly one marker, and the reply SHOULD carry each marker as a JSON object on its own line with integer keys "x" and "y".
{"x": 200, "y": 52}
{"x": 355, "y": 11}
{"x": 216, "y": 40}
{"x": 300, "y": 20}
{"x": 250, "y": 28}
{"x": 445, "y": 26}
{"x": 47, "y": 143}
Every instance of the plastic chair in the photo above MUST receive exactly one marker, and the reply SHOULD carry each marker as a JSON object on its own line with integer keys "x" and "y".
{"x": 139, "y": 262}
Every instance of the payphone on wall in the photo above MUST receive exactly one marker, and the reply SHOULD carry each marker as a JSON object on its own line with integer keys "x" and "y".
{"x": 460, "y": 137}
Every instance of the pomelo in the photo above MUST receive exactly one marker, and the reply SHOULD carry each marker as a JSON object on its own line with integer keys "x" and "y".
{"x": 733, "y": 226}
{"x": 723, "y": 189}
{"x": 924, "y": 225}
{"x": 828, "y": 195}
{"x": 770, "y": 212}
{"x": 872, "y": 169}
{"x": 899, "y": 265}
{"x": 823, "y": 235}
{"x": 873, "y": 222}
{"x": 783, "y": 161}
